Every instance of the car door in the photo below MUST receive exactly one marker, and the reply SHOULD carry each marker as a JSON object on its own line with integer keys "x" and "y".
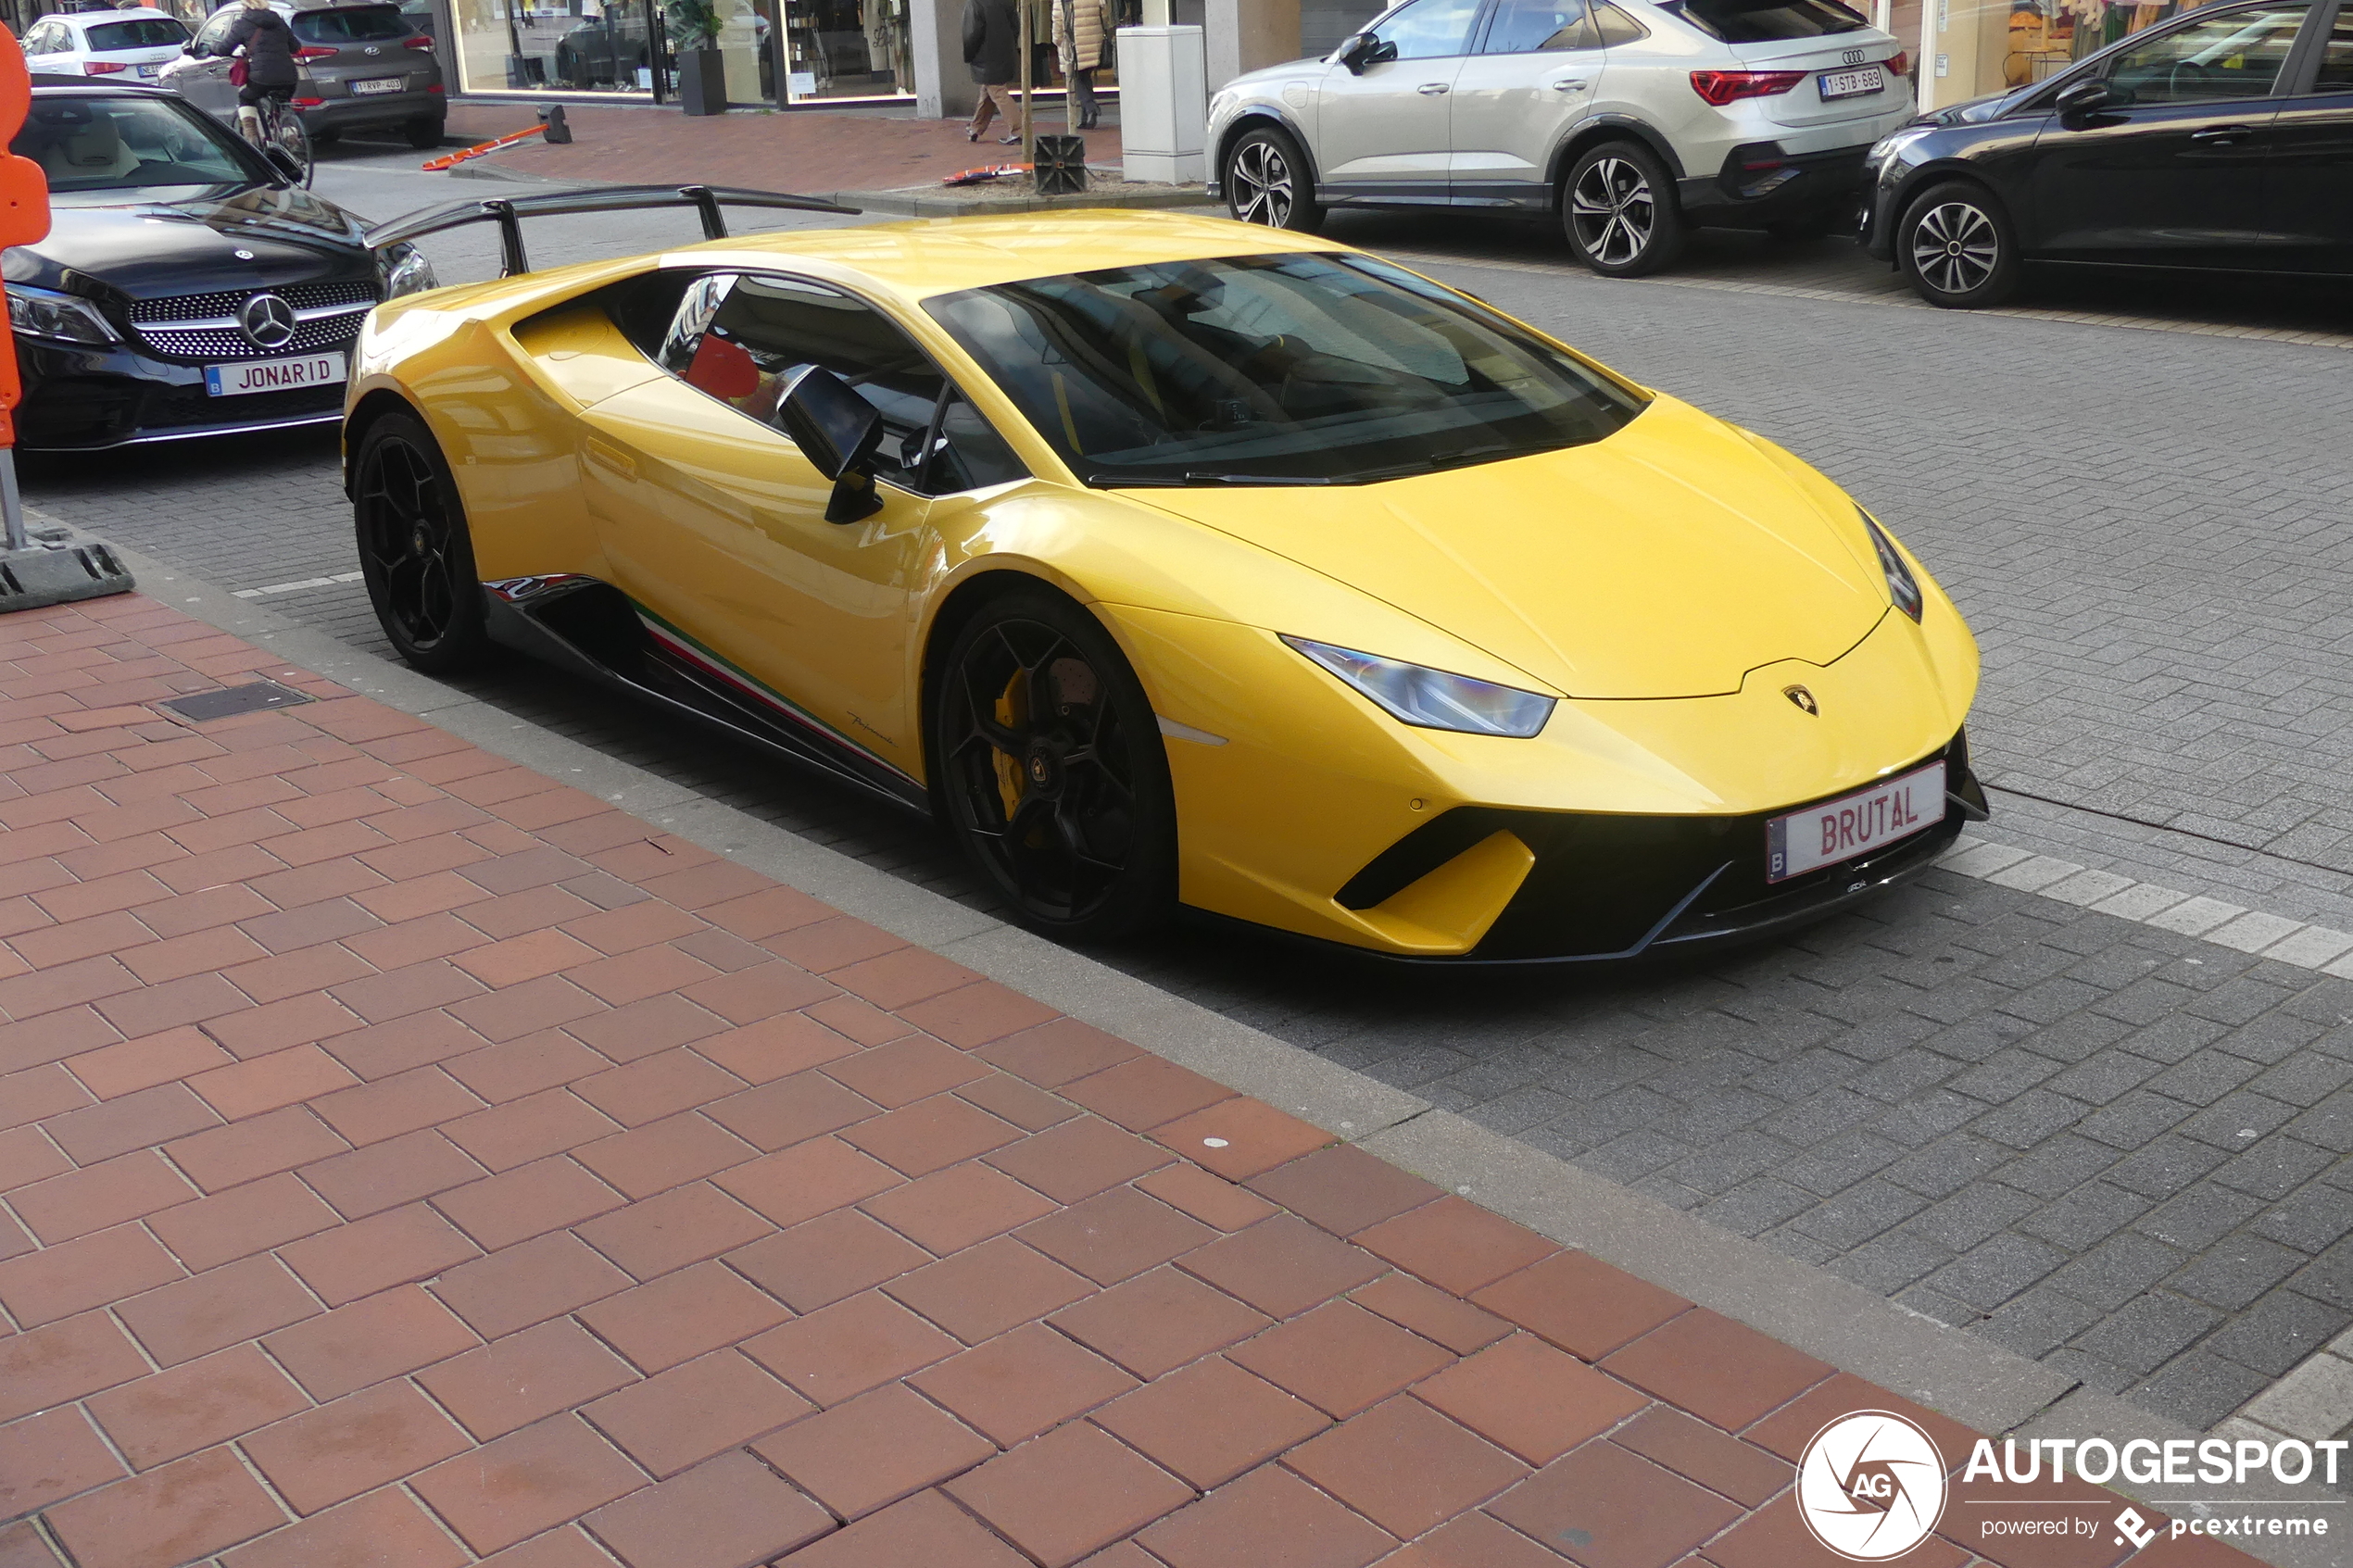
{"x": 2308, "y": 187}
{"x": 714, "y": 524}
{"x": 201, "y": 76}
{"x": 2172, "y": 174}
{"x": 1383, "y": 132}
{"x": 1533, "y": 76}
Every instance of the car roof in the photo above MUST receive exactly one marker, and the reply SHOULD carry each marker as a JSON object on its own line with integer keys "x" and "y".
{"x": 935, "y": 256}
{"x": 91, "y": 18}
{"x": 50, "y": 86}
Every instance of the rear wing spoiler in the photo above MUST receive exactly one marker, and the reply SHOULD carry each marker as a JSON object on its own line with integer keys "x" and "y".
{"x": 509, "y": 212}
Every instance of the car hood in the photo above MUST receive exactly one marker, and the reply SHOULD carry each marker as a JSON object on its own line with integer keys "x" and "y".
{"x": 1666, "y": 561}
{"x": 154, "y": 249}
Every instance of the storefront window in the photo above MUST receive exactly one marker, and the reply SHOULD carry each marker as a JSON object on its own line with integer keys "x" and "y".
{"x": 569, "y": 45}
{"x": 848, "y": 49}
{"x": 1971, "y": 49}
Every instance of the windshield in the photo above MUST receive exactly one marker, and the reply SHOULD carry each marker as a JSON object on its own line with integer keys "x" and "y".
{"x": 1765, "y": 21}
{"x": 125, "y": 144}
{"x": 143, "y": 33}
{"x": 1316, "y": 369}
{"x": 373, "y": 24}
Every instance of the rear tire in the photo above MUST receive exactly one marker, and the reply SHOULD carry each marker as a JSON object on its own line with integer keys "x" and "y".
{"x": 425, "y": 133}
{"x": 416, "y": 554}
{"x": 1959, "y": 249}
{"x": 1619, "y": 209}
{"x": 1268, "y": 182}
{"x": 1046, "y": 763}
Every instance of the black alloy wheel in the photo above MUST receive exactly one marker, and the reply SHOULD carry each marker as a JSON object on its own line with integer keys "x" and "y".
{"x": 1957, "y": 247}
{"x": 415, "y": 552}
{"x": 1267, "y": 182}
{"x": 1049, "y": 766}
{"x": 1620, "y": 211}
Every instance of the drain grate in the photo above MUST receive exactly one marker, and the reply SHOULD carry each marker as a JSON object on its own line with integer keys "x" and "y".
{"x": 231, "y": 701}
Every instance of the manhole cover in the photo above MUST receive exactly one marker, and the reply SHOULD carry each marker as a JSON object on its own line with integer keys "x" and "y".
{"x": 231, "y": 701}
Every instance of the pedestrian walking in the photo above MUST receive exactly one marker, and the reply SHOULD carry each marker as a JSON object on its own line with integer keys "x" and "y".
{"x": 1081, "y": 28}
{"x": 992, "y": 47}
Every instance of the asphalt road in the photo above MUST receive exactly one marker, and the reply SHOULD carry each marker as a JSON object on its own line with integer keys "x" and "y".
{"x": 2127, "y": 1152}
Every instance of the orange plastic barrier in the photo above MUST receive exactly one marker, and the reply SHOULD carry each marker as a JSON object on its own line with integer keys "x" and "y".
{"x": 451, "y": 160}
{"x": 987, "y": 171}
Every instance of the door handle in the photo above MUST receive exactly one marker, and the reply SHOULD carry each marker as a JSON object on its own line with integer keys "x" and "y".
{"x": 1570, "y": 84}
{"x": 2223, "y": 135}
{"x": 1431, "y": 89}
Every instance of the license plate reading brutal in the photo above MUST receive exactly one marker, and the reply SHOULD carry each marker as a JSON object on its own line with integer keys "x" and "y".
{"x": 1854, "y": 824}
{"x": 273, "y": 375}
{"x": 1852, "y": 83}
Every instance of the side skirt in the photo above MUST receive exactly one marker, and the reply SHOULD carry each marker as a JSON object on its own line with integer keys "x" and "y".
{"x": 591, "y": 627}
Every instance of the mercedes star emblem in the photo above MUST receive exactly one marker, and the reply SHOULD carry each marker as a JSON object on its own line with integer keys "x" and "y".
{"x": 268, "y": 321}
{"x": 245, "y": 256}
{"x": 1804, "y": 699}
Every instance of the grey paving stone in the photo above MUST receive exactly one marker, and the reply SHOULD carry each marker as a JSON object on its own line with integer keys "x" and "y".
{"x": 1969, "y": 1216}
{"x": 2304, "y": 1079}
{"x": 2038, "y": 1321}
{"x": 2171, "y": 1164}
{"x": 1841, "y": 1162}
{"x": 2056, "y": 1165}
{"x": 2198, "y": 1389}
{"x": 2278, "y": 1332}
{"x": 2026, "y": 1120}
{"x": 2099, "y": 1078}
{"x": 2235, "y": 1270}
{"x": 2131, "y": 1120}
{"x": 2199, "y": 1217}
{"x": 2147, "y": 1332}
{"x": 2086, "y": 1216}
{"x": 2204, "y": 1078}
{"x": 2119, "y": 1270}
{"x": 2312, "y": 1220}
{"x": 1755, "y": 1207}
{"x": 2274, "y": 1167}
{"x": 1992, "y": 1273}
{"x": 1858, "y": 1213}
{"x": 1888, "y": 1264}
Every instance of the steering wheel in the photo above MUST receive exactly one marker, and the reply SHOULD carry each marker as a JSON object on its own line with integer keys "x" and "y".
{"x": 2199, "y": 82}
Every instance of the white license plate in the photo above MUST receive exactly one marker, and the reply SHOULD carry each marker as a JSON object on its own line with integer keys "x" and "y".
{"x": 1852, "y": 83}
{"x": 273, "y": 375}
{"x": 381, "y": 84}
{"x": 1854, "y": 824}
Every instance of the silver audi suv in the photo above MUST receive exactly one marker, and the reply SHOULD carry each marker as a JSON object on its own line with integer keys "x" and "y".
{"x": 1634, "y": 120}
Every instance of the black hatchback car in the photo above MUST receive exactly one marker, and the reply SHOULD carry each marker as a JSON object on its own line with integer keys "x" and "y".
{"x": 187, "y": 286}
{"x": 2222, "y": 139}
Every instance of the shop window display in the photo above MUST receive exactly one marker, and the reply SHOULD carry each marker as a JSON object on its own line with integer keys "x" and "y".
{"x": 1971, "y": 49}
{"x": 838, "y": 49}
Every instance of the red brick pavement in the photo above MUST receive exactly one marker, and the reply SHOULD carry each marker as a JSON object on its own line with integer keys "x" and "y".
{"x": 410, "y": 1161}
{"x": 802, "y": 150}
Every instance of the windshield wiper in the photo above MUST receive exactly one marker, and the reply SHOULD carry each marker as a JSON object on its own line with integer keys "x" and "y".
{"x": 1195, "y": 477}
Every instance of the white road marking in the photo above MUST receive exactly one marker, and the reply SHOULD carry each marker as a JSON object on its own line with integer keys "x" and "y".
{"x": 337, "y": 580}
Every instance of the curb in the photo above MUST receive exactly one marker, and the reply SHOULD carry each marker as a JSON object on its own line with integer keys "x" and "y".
{"x": 913, "y": 201}
{"x": 1962, "y": 1375}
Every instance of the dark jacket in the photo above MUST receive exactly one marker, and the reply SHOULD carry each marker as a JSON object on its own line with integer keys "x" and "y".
{"x": 992, "y": 41}
{"x": 269, "y": 45}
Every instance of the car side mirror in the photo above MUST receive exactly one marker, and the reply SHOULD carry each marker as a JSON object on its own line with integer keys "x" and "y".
{"x": 284, "y": 162}
{"x": 1366, "y": 49}
{"x": 2089, "y": 96}
{"x": 838, "y": 431}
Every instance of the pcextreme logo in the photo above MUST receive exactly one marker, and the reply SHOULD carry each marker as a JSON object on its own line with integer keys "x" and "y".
{"x": 1871, "y": 1485}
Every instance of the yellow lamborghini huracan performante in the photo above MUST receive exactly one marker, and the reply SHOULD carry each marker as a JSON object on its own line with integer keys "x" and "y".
{"x": 1171, "y": 563}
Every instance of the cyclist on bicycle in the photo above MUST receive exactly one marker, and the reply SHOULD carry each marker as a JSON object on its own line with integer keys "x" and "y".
{"x": 268, "y": 44}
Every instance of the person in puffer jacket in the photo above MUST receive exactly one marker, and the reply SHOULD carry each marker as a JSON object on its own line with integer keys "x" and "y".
{"x": 268, "y": 44}
{"x": 1081, "y": 29}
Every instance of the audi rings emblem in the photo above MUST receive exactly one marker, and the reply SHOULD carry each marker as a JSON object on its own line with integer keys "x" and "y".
{"x": 1853, "y": 57}
{"x": 268, "y": 321}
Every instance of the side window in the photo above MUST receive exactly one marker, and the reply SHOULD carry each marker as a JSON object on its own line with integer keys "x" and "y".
{"x": 968, "y": 453}
{"x": 1529, "y": 27}
{"x": 215, "y": 36}
{"x": 2336, "y": 56}
{"x": 742, "y": 338}
{"x": 46, "y": 39}
{"x": 2214, "y": 59}
{"x": 1616, "y": 27}
{"x": 1429, "y": 30}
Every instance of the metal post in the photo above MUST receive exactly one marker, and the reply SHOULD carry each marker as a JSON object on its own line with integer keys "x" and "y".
{"x": 11, "y": 505}
{"x": 1029, "y": 139}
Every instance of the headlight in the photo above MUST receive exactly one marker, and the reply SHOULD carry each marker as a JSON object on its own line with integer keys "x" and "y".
{"x": 1883, "y": 153}
{"x": 38, "y": 313}
{"x": 405, "y": 269}
{"x": 1900, "y": 585}
{"x": 1432, "y": 699}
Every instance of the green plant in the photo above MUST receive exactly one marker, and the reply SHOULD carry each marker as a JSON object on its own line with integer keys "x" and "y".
{"x": 695, "y": 24}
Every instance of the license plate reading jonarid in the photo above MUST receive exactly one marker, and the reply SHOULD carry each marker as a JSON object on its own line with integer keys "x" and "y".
{"x": 1854, "y": 824}
{"x": 273, "y": 375}
{"x": 1852, "y": 83}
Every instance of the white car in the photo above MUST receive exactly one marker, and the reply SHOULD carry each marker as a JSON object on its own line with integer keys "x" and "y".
{"x": 1634, "y": 120}
{"x": 110, "y": 45}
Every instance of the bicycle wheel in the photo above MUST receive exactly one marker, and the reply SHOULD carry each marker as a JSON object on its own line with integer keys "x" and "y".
{"x": 288, "y": 133}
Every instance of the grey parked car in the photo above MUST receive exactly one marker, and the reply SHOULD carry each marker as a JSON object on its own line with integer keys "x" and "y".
{"x": 365, "y": 65}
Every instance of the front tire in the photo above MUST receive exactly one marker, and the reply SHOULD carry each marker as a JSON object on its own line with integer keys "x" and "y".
{"x": 1619, "y": 209}
{"x": 1049, "y": 766}
{"x": 416, "y": 554}
{"x": 1959, "y": 249}
{"x": 1268, "y": 183}
{"x": 425, "y": 133}
{"x": 295, "y": 140}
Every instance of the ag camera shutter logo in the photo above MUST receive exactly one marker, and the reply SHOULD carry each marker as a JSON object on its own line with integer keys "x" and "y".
{"x": 1871, "y": 1485}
